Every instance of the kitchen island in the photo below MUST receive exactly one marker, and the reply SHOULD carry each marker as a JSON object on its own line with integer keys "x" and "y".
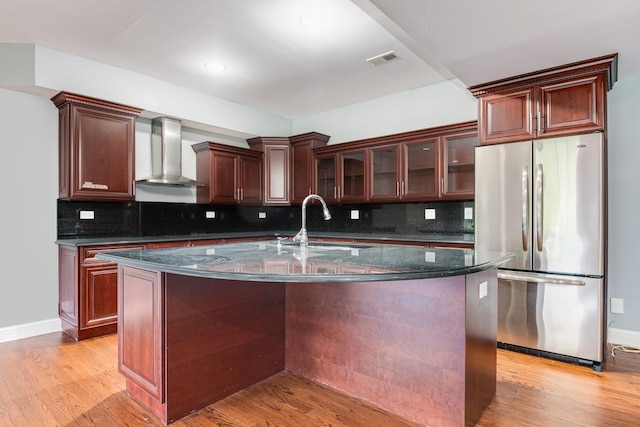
{"x": 409, "y": 329}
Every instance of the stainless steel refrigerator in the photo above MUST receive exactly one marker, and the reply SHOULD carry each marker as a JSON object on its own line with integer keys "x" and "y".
{"x": 544, "y": 200}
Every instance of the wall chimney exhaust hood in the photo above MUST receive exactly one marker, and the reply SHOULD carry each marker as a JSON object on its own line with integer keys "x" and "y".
{"x": 166, "y": 154}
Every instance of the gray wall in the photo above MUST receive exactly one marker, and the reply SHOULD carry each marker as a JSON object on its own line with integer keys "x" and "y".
{"x": 624, "y": 200}
{"x": 29, "y": 175}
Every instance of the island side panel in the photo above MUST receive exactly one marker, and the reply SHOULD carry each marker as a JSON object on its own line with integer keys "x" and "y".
{"x": 482, "y": 335}
{"x": 140, "y": 336}
{"x": 399, "y": 345}
{"x": 221, "y": 336}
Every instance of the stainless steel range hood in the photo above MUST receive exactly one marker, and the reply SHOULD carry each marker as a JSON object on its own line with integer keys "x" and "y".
{"x": 166, "y": 154}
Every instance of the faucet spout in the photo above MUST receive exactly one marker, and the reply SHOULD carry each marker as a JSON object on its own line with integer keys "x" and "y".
{"x": 302, "y": 234}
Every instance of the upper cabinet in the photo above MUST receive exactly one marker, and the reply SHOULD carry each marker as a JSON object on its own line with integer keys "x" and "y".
{"x": 341, "y": 174}
{"x": 96, "y": 149}
{"x": 276, "y": 162}
{"x": 302, "y": 164}
{"x": 425, "y": 165}
{"x": 231, "y": 175}
{"x": 556, "y": 101}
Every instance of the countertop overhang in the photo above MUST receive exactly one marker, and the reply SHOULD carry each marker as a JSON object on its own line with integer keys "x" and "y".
{"x": 458, "y": 238}
{"x": 273, "y": 261}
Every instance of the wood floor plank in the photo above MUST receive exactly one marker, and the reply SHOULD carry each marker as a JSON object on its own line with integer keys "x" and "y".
{"x": 52, "y": 381}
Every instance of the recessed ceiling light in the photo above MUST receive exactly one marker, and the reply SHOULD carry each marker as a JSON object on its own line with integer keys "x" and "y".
{"x": 306, "y": 20}
{"x": 215, "y": 67}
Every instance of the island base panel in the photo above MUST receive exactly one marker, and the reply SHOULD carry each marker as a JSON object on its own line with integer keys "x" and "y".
{"x": 222, "y": 336}
{"x": 403, "y": 346}
{"x": 218, "y": 337}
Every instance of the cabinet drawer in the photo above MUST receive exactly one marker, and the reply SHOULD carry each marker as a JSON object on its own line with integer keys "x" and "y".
{"x": 88, "y": 254}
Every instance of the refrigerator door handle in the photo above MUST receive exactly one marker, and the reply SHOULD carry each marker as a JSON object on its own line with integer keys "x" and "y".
{"x": 525, "y": 208}
{"x": 539, "y": 207}
{"x": 540, "y": 278}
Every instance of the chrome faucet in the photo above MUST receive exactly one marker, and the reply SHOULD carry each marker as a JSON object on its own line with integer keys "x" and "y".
{"x": 302, "y": 234}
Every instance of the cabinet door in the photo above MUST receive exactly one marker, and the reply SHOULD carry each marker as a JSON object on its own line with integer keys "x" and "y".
{"x": 223, "y": 184}
{"x": 250, "y": 179}
{"x": 302, "y": 182}
{"x": 386, "y": 180}
{"x": 326, "y": 173}
{"x": 421, "y": 170}
{"x": 572, "y": 106}
{"x": 507, "y": 117}
{"x": 99, "y": 284}
{"x": 103, "y": 151}
{"x": 353, "y": 171}
{"x": 276, "y": 174}
{"x": 458, "y": 161}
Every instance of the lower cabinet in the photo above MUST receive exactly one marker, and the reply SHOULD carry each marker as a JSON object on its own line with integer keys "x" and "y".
{"x": 88, "y": 305}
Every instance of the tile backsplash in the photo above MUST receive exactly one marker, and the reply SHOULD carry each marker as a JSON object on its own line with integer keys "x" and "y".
{"x": 111, "y": 219}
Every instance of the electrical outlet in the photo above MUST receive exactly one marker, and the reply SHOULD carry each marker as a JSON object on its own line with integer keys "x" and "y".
{"x": 355, "y": 214}
{"x": 210, "y": 214}
{"x": 429, "y": 214}
{"x": 483, "y": 290}
{"x": 468, "y": 213}
{"x": 87, "y": 215}
{"x": 262, "y": 215}
{"x": 430, "y": 256}
{"x": 617, "y": 305}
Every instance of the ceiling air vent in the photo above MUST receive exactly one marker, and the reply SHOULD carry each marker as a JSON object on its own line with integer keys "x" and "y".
{"x": 383, "y": 58}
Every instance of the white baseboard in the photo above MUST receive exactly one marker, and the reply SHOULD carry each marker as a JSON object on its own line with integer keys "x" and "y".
{"x": 26, "y": 330}
{"x": 623, "y": 337}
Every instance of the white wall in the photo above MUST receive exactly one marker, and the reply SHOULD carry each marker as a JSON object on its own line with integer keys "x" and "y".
{"x": 438, "y": 104}
{"x": 624, "y": 201}
{"x": 29, "y": 176}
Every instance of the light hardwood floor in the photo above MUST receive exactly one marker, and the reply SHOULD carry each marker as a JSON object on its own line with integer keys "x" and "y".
{"x": 51, "y": 381}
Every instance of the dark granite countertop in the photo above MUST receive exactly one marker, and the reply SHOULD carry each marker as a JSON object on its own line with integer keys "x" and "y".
{"x": 270, "y": 261}
{"x": 426, "y": 238}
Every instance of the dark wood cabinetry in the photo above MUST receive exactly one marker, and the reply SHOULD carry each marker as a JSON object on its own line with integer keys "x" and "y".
{"x": 276, "y": 165}
{"x": 303, "y": 180}
{"x": 425, "y": 165}
{"x": 556, "y": 101}
{"x": 96, "y": 149}
{"x": 231, "y": 175}
{"x": 87, "y": 290}
{"x": 342, "y": 174}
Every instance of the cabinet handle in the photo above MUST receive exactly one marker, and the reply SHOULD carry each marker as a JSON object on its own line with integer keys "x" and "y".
{"x": 397, "y": 188}
{"x": 242, "y": 194}
{"x": 441, "y": 185}
{"x": 335, "y": 194}
{"x": 340, "y": 193}
{"x": 91, "y": 185}
{"x": 404, "y": 189}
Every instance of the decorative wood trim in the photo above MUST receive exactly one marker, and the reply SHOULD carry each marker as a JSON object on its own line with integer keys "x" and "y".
{"x": 315, "y": 137}
{"x": 470, "y": 126}
{"x": 258, "y": 143}
{"x": 218, "y": 147}
{"x": 607, "y": 64}
{"x": 63, "y": 98}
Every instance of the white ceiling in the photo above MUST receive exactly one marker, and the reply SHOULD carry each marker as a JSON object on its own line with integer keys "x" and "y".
{"x": 277, "y": 65}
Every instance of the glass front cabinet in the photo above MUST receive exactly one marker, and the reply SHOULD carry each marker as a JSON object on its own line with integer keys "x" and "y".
{"x": 341, "y": 177}
{"x": 427, "y": 165}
